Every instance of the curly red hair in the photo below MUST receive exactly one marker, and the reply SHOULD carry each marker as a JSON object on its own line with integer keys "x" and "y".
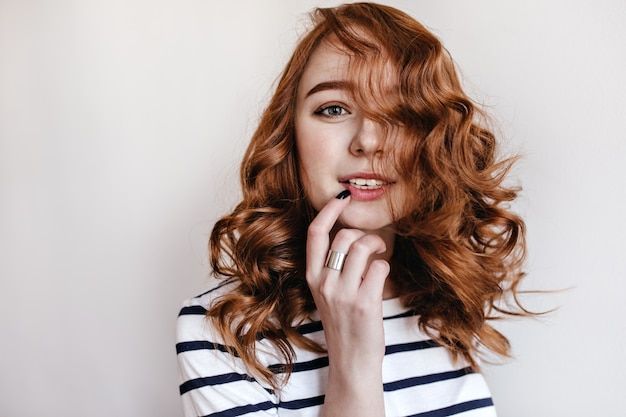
{"x": 459, "y": 248}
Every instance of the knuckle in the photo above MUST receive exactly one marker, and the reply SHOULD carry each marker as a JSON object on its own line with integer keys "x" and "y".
{"x": 347, "y": 235}
{"x": 366, "y": 244}
{"x": 374, "y": 240}
{"x": 342, "y": 302}
{"x": 331, "y": 296}
{"x": 316, "y": 230}
{"x": 379, "y": 266}
{"x": 359, "y": 246}
{"x": 378, "y": 269}
{"x": 326, "y": 291}
{"x": 362, "y": 309}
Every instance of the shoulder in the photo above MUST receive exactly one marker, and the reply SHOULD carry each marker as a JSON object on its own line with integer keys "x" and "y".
{"x": 192, "y": 323}
{"x": 200, "y": 303}
{"x": 212, "y": 380}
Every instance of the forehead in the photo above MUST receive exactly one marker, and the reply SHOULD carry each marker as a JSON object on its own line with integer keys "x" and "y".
{"x": 328, "y": 62}
{"x": 368, "y": 76}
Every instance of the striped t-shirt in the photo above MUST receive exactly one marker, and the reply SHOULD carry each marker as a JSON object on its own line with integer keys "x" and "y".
{"x": 419, "y": 377}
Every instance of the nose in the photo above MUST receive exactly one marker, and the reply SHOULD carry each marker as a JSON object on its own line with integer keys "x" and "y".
{"x": 368, "y": 139}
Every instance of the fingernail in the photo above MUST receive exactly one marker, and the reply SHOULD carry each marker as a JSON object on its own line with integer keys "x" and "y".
{"x": 343, "y": 194}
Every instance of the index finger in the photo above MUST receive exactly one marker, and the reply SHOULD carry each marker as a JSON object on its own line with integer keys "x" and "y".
{"x": 318, "y": 237}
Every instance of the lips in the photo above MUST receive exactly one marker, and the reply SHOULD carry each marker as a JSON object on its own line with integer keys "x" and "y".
{"x": 365, "y": 180}
{"x": 366, "y": 184}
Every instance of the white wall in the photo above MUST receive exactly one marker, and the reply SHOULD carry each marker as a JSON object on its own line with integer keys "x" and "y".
{"x": 121, "y": 127}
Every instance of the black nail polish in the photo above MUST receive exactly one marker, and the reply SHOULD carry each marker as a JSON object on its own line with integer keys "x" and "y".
{"x": 343, "y": 194}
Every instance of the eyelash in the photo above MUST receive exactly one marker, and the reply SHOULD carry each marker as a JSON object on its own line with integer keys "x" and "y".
{"x": 322, "y": 111}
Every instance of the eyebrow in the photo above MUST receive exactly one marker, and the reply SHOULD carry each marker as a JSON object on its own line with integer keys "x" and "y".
{"x": 329, "y": 85}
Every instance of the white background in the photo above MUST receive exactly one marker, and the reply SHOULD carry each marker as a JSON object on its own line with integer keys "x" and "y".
{"x": 122, "y": 123}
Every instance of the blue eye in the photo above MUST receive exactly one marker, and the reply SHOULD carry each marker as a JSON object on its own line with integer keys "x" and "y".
{"x": 334, "y": 110}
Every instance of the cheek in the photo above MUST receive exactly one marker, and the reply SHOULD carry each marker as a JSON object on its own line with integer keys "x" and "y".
{"x": 314, "y": 178}
{"x": 306, "y": 171}
{"x": 313, "y": 153}
{"x": 319, "y": 160}
{"x": 318, "y": 154}
{"x": 310, "y": 180}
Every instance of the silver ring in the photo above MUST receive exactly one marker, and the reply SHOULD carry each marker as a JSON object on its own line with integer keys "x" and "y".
{"x": 335, "y": 260}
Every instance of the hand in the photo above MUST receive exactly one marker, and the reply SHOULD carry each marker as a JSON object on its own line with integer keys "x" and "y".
{"x": 350, "y": 306}
{"x": 349, "y": 301}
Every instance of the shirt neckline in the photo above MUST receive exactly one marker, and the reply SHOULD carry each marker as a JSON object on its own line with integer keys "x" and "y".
{"x": 393, "y": 307}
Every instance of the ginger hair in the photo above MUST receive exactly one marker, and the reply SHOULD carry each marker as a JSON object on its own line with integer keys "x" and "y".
{"x": 459, "y": 249}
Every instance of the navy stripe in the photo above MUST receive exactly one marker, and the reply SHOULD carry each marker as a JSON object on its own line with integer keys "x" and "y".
{"x": 307, "y": 328}
{"x": 212, "y": 380}
{"x": 192, "y": 310}
{"x": 302, "y": 403}
{"x": 457, "y": 408}
{"x": 316, "y": 326}
{"x": 301, "y": 366}
{"x": 426, "y": 379}
{"x": 200, "y": 345}
{"x": 244, "y": 409}
{"x": 217, "y": 287}
{"x": 409, "y": 347}
{"x": 310, "y": 365}
{"x": 409, "y": 313}
{"x": 323, "y": 361}
{"x": 403, "y": 347}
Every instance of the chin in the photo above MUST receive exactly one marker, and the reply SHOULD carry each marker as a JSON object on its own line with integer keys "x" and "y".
{"x": 363, "y": 222}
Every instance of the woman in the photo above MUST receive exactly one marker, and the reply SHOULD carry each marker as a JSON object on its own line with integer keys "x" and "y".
{"x": 375, "y": 302}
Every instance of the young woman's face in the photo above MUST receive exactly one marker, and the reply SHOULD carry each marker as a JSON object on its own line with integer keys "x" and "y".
{"x": 338, "y": 146}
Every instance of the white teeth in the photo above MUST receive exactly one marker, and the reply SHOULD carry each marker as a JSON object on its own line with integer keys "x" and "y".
{"x": 366, "y": 183}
